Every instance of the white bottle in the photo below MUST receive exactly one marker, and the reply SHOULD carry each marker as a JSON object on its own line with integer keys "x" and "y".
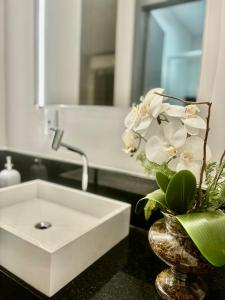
{"x": 9, "y": 176}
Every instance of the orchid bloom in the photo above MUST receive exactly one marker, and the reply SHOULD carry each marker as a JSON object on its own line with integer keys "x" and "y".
{"x": 140, "y": 117}
{"x": 164, "y": 148}
{"x": 131, "y": 141}
{"x": 190, "y": 156}
{"x": 188, "y": 115}
{"x": 152, "y": 103}
{"x": 135, "y": 121}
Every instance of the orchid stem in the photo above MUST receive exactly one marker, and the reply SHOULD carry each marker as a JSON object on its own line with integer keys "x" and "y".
{"x": 222, "y": 158}
{"x": 140, "y": 136}
{"x": 199, "y": 197}
{"x": 181, "y": 100}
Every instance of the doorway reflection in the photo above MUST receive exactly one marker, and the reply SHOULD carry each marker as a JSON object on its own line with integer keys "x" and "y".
{"x": 172, "y": 51}
{"x": 98, "y": 32}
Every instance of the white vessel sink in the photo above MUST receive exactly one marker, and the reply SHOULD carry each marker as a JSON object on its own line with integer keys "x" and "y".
{"x": 83, "y": 227}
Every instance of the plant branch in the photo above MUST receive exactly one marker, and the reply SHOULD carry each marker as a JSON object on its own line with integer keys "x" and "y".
{"x": 199, "y": 196}
{"x": 222, "y": 158}
{"x": 140, "y": 136}
{"x": 181, "y": 100}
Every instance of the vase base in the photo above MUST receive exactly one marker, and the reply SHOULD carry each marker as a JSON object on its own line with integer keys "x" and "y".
{"x": 172, "y": 285}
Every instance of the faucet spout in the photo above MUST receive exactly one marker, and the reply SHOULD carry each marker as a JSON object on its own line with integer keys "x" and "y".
{"x": 57, "y": 142}
{"x": 85, "y": 173}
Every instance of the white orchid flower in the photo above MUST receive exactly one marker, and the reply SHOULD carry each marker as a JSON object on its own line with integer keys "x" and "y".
{"x": 152, "y": 103}
{"x": 135, "y": 121}
{"x": 162, "y": 149}
{"x": 188, "y": 115}
{"x": 141, "y": 116}
{"x": 190, "y": 156}
{"x": 131, "y": 141}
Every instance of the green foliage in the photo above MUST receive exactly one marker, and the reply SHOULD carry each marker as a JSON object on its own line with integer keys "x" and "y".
{"x": 215, "y": 179}
{"x": 210, "y": 171}
{"x": 140, "y": 205}
{"x": 175, "y": 195}
{"x": 152, "y": 167}
{"x": 207, "y": 230}
{"x": 162, "y": 181}
{"x": 149, "y": 207}
{"x": 181, "y": 191}
{"x": 151, "y": 202}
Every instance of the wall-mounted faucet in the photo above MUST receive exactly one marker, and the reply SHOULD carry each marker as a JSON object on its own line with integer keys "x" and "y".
{"x": 57, "y": 142}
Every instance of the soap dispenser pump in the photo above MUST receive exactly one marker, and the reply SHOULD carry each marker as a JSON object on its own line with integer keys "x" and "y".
{"x": 9, "y": 176}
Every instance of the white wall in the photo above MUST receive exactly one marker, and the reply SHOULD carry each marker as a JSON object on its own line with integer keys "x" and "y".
{"x": 95, "y": 130}
{"x": 2, "y": 79}
{"x": 212, "y": 79}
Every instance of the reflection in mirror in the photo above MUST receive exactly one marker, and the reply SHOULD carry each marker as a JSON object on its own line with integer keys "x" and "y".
{"x": 75, "y": 52}
{"x": 170, "y": 56}
{"x": 97, "y": 51}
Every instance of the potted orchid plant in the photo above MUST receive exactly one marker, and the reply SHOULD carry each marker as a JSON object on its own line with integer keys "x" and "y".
{"x": 170, "y": 141}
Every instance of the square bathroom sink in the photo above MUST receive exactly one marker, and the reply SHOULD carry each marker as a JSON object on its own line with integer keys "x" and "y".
{"x": 49, "y": 234}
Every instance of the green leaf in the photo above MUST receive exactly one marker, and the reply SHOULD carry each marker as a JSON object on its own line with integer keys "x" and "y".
{"x": 140, "y": 205}
{"x": 207, "y": 230}
{"x": 151, "y": 202}
{"x": 162, "y": 181}
{"x": 155, "y": 199}
{"x": 149, "y": 207}
{"x": 215, "y": 193}
{"x": 181, "y": 191}
{"x": 157, "y": 196}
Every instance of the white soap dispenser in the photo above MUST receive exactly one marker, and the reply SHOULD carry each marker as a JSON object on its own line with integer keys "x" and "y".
{"x": 9, "y": 176}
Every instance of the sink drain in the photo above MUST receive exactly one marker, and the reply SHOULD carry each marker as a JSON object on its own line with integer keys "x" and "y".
{"x": 42, "y": 225}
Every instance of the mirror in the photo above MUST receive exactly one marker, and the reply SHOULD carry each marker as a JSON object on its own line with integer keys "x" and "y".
{"x": 108, "y": 52}
{"x": 75, "y": 51}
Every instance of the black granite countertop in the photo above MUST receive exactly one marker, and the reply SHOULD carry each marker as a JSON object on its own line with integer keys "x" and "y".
{"x": 126, "y": 272}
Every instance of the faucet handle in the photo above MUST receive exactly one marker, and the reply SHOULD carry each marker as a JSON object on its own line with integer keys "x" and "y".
{"x": 58, "y": 134}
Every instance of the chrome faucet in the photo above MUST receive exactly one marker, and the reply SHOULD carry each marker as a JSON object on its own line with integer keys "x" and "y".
{"x": 57, "y": 142}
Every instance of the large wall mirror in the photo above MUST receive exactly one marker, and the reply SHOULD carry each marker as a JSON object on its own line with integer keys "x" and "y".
{"x": 82, "y": 46}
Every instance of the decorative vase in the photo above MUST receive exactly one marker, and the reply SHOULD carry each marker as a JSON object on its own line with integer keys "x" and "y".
{"x": 170, "y": 242}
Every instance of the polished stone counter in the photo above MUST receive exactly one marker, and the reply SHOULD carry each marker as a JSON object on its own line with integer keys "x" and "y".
{"x": 126, "y": 272}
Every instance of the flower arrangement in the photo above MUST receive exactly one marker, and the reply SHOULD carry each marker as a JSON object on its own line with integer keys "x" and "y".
{"x": 171, "y": 141}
